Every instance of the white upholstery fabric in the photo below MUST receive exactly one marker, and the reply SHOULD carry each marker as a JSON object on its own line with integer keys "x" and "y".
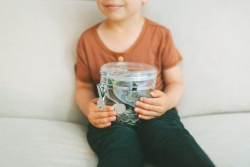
{"x": 225, "y": 138}
{"x": 33, "y": 142}
{"x": 41, "y": 143}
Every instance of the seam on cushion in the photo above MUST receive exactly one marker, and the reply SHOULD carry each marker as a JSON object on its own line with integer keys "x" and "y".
{"x": 43, "y": 119}
{"x": 216, "y": 113}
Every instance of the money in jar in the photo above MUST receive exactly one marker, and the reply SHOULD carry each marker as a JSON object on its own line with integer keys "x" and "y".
{"x": 122, "y": 84}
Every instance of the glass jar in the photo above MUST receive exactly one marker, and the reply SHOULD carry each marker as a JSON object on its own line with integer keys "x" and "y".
{"x": 122, "y": 84}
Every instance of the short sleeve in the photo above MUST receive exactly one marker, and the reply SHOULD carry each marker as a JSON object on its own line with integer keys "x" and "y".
{"x": 170, "y": 54}
{"x": 81, "y": 67}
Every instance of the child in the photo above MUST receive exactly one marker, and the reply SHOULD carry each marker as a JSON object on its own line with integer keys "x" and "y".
{"x": 126, "y": 35}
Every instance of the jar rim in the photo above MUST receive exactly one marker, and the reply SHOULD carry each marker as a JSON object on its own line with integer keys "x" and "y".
{"x": 128, "y": 69}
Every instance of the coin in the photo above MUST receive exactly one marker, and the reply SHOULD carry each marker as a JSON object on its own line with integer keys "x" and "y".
{"x": 119, "y": 108}
{"x": 134, "y": 117}
{"x": 124, "y": 117}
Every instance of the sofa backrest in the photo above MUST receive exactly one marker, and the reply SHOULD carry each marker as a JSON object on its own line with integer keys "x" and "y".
{"x": 37, "y": 54}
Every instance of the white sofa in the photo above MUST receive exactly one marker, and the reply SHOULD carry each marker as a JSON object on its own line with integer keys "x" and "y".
{"x": 40, "y": 123}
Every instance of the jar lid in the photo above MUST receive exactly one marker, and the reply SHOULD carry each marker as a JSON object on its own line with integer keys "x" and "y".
{"x": 128, "y": 71}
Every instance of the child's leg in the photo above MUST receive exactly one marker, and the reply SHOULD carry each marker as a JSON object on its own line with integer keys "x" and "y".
{"x": 167, "y": 143}
{"x": 116, "y": 146}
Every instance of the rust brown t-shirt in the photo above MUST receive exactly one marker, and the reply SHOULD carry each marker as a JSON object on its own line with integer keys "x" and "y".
{"x": 154, "y": 46}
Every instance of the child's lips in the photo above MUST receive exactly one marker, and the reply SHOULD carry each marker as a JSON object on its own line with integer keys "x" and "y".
{"x": 113, "y": 6}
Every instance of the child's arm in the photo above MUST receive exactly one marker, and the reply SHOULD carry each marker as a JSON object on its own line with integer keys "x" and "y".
{"x": 85, "y": 98}
{"x": 161, "y": 102}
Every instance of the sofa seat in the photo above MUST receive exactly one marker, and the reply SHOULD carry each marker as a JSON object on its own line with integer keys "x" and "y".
{"x": 224, "y": 137}
{"x": 43, "y": 143}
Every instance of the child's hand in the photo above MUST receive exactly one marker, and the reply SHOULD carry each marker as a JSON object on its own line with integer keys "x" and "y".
{"x": 100, "y": 118}
{"x": 148, "y": 108}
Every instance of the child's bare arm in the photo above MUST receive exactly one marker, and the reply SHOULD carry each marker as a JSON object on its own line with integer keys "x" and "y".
{"x": 148, "y": 108}
{"x": 87, "y": 102}
{"x": 174, "y": 85}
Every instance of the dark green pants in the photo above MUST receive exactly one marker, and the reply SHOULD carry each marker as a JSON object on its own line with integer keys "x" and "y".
{"x": 162, "y": 141}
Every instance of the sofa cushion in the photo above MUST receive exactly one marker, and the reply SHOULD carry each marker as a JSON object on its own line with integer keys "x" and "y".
{"x": 225, "y": 138}
{"x": 35, "y": 143}
{"x": 43, "y": 143}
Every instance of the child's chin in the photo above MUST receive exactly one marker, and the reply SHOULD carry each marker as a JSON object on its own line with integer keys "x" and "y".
{"x": 117, "y": 19}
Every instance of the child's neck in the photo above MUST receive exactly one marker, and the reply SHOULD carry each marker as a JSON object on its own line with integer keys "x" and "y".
{"x": 119, "y": 36}
{"x": 124, "y": 25}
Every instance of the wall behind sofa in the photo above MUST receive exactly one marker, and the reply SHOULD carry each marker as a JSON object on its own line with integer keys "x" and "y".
{"x": 213, "y": 38}
{"x": 37, "y": 54}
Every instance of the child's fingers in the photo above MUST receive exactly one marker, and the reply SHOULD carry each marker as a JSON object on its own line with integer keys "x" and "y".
{"x": 148, "y": 113}
{"x": 95, "y": 113}
{"x": 108, "y": 108}
{"x": 157, "y": 108}
{"x": 151, "y": 101}
{"x": 156, "y": 93}
{"x": 147, "y": 106}
{"x": 103, "y": 121}
{"x": 104, "y": 114}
